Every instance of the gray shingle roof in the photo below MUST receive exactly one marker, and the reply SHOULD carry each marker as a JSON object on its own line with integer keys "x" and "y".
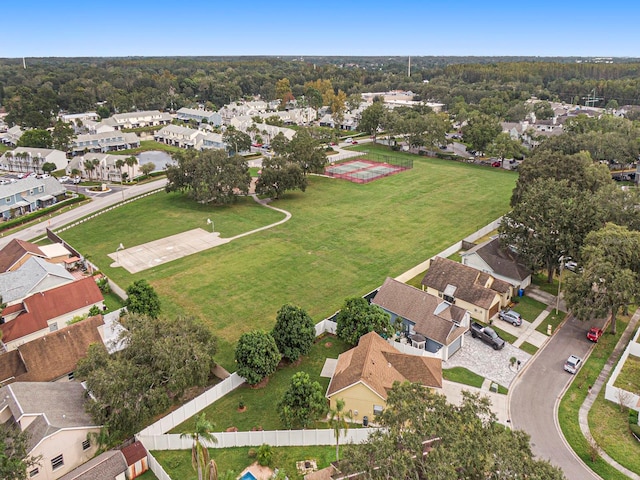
{"x": 105, "y": 466}
{"x": 20, "y": 283}
{"x": 502, "y": 261}
{"x": 419, "y": 307}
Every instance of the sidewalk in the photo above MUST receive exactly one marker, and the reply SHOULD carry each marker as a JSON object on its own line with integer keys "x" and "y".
{"x": 600, "y": 382}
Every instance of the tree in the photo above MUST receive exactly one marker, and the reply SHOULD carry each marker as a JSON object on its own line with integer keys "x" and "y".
{"x": 480, "y": 131}
{"x": 236, "y": 140}
{"x": 550, "y": 220}
{"x": 339, "y": 423}
{"x": 303, "y": 403}
{"x": 48, "y": 167}
{"x": 147, "y": 168}
{"x": 89, "y": 166}
{"x": 358, "y": 317}
{"x": 279, "y": 175}
{"x": 294, "y": 332}
{"x": 14, "y": 461}
{"x": 543, "y": 110}
{"x": 209, "y": 176}
{"x": 504, "y": 147}
{"x": 131, "y": 161}
{"x": 338, "y": 105}
{"x": 306, "y": 151}
{"x": 36, "y": 138}
{"x": 257, "y": 356}
{"x": 142, "y": 299}
{"x": 371, "y": 119}
{"x": 421, "y": 438}
{"x": 279, "y": 144}
{"x": 162, "y": 358}
{"x": 62, "y": 136}
{"x": 610, "y": 276}
{"x": 283, "y": 91}
{"x": 119, "y": 164}
{"x": 207, "y": 468}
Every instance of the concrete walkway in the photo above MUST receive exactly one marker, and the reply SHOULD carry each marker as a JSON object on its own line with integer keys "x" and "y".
{"x": 600, "y": 382}
{"x": 530, "y": 334}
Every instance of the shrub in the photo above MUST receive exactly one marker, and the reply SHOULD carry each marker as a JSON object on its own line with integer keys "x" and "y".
{"x": 635, "y": 431}
{"x": 265, "y": 455}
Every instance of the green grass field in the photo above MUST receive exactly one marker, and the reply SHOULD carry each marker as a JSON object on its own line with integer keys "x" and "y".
{"x": 344, "y": 239}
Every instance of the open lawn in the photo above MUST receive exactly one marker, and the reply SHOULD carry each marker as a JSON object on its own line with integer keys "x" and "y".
{"x": 177, "y": 463}
{"x": 629, "y": 377}
{"x": 261, "y": 403}
{"x": 529, "y": 308}
{"x": 344, "y": 239}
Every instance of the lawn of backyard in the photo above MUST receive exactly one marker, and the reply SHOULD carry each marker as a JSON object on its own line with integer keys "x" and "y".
{"x": 344, "y": 239}
{"x": 177, "y": 463}
{"x": 261, "y": 403}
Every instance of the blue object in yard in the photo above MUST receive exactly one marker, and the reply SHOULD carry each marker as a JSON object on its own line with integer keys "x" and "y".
{"x": 248, "y": 476}
{"x": 520, "y": 292}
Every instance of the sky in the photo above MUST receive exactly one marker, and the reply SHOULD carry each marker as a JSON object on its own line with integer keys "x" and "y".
{"x": 117, "y": 28}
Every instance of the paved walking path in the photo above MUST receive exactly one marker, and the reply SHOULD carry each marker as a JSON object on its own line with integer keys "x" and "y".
{"x": 530, "y": 334}
{"x": 600, "y": 382}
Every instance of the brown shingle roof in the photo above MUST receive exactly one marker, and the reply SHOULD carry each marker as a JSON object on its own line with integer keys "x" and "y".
{"x": 14, "y": 251}
{"x": 378, "y": 365}
{"x": 470, "y": 284}
{"x": 53, "y": 303}
{"x": 11, "y": 367}
{"x": 106, "y": 466}
{"x": 134, "y": 452}
{"x": 501, "y": 260}
{"x": 56, "y": 354}
{"x": 419, "y": 307}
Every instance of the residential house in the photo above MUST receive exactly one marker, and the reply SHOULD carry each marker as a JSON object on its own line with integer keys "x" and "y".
{"x": 199, "y": 115}
{"x": 28, "y": 195}
{"x": 625, "y": 393}
{"x": 110, "y": 465}
{"x": 147, "y": 118}
{"x": 29, "y": 159}
{"x": 104, "y": 142}
{"x": 364, "y": 375}
{"x": 136, "y": 458}
{"x": 104, "y": 167}
{"x": 52, "y": 357}
{"x": 178, "y": 136}
{"x": 79, "y": 117}
{"x": 237, "y": 109}
{"x": 500, "y": 262}
{"x": 429, "y": 322}
{"x": 15, "y": 253}
{"x": 11, "y": 136}
{"x": 265, "y": 131}
{"x": 35, "y": 275}
{"x": 478, "y": 292}
{"x": 48, "y": 311}
{"x": 212, "y": 140}
{"x": 53, "y": 416}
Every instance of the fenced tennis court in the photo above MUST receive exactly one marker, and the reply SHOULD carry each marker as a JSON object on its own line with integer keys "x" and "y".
{"x": 369, "y": 168}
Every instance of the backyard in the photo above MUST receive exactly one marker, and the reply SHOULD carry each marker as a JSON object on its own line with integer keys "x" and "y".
{"x": 344, "y": 239}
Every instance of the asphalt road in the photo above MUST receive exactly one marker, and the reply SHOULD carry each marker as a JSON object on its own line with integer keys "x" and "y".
{"x": 534, "y": 396}
{"x": 98, "y": 202}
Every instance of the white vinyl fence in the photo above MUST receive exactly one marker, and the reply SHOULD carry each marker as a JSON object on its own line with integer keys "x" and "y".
{"x": 619, "y": 395}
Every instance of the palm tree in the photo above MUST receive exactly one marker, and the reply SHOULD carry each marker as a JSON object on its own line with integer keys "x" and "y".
{"x": 89, "y": 166}
{"x": 131, "y": 161}
{"x": 207, "y": 468}
{"x": 9, "y": 157}
{"x": 119, "y": 165}
{"x": 339, "y": 422}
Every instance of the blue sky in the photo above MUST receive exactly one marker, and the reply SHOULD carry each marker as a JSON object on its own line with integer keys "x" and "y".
{"x": 63, "y": 28}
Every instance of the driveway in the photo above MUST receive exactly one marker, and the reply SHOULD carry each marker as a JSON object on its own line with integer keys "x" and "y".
{"x": 534, "y": 397}
{"x": 480, "y": 358}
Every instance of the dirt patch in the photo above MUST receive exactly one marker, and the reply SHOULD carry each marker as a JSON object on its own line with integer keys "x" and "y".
{"x": 261, "y": 384}
{"x": 328, "y": 344}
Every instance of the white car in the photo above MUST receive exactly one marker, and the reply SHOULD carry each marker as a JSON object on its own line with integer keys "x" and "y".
{"x": 64, "y": 179}
{"x": 572, "y": 364}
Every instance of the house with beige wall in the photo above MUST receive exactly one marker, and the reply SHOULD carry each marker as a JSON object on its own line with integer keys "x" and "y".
{"x": 53, "y": 416}
{"x": 481, "y": 294}
{"x": 500, "y": 262}
{"x": 364, "y": 375}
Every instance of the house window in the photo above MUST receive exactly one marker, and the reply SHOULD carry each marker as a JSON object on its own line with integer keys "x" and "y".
{"x": 8, "y": 199}
{"x": 86, "y": 444}
{"x": 71, "y": 375}
{"x": 53, "y": 327}
{"x": 377, "y": 410}
{"x": 34, "y": 472}
{"x": 57, "y": 462}
{"x": 448, "y": 298}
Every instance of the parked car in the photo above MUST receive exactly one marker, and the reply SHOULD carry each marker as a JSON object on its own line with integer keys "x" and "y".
{"x": 594, "y": 334}
{"x": 572, "y": 364}
{"x": 496, "y": 164}
{"x": 348, "y": 140}
{"x": 64, "y": 179}
{"x": 511, "y": 316}
{"x": 487, "y": 335}
{"x": 571, "y": 265}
